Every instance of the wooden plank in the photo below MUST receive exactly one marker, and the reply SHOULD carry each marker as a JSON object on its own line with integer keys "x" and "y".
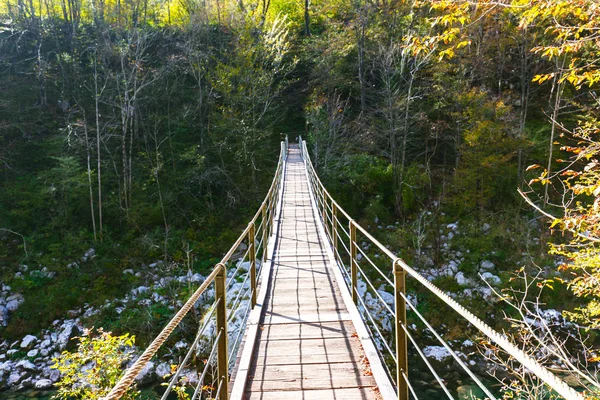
{"x": 306, "y": 331}
{"x": 308, "y": 351}
{"x": 308, "y": 377}
{"x": 276, "y": 318}
{"x": 367, "y": 393}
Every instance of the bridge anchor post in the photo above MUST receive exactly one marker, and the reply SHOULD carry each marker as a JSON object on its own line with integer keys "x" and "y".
{"x": 222, "y": 357}
{"x": 400, "y": 325}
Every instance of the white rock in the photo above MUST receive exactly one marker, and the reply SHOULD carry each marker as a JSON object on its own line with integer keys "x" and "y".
{"x": 453, "y": 226}
{"x": 43, "y": 384}
{"x": 197, "y": 278}
{"x": 162, "y": 370}
{"x": 146, "y": 375}
{"x": 128, "y": 271}
{"x": 387, "y": 297}
{"x": 7, "y": 366}
{"x": 491, "y": 278}
{"x": 191, "y": 377}
{"x": 28, "y": 342}
{"x": 460, "y": 279}
{"x": 486, "y": 227}
{"x": 91, "y": 253}
{"x": 412, "y": 299}
{"x": 13, "y": 302}
{"x": 437, "y": 352}
{"x": 54, "y": 375}
{"x": 487, "y": 265}
{"x": 14, "y": 378}
{"x": 139, "y": 290}
{"x": 68, "y": 331}
{"x": 26, "y": 365}
{"x": 32, "y": 353}
{"x": 3, "y": 316}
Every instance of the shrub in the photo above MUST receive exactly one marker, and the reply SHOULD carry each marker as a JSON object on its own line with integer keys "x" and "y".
{"x": 91, "y": 371}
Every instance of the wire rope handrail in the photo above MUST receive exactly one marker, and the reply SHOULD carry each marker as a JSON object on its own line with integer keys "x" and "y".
{"x": 330, "y": 210}
{"x": 222, "y": 313}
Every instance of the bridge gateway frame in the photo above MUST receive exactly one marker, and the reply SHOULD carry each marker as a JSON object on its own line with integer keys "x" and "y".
{"x": 227, "y": 318}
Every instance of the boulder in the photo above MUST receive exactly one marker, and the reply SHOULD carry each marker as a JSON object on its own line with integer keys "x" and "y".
{"x": 438, "y": 353}
{"x": 28, "y": 342}
{"x": 43, "y": 384}
{"x": 3, "y": 316}
{"x": 162, "y": 370}
{"x": 26, "y": 365}
{"x": 387, "y": 297}
{"x": 14, "y": 378}
{"x": 460, "y": 279}
{"x": 491, "y": 278}
{"x": 54, "y": 375}
{"x": 487, "y": 265}
{"x": 146, "y": 375}
{"x": 68, "y": 331}
{"x": 91, "y": 253}
{"x": 26, "y": 383}
{"x": 13, "y": 302}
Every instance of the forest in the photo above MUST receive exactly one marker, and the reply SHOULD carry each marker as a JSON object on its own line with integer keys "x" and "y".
{"x": 137, "y": 138}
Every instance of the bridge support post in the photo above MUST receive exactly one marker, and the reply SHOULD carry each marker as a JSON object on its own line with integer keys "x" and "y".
{"x": 400, "y": 324}
{"x": 334, "y": 237}
{"x": 265, "y": 233}
{"x": 324, "y": 210}
{"x": 252, "y": 258}
{"x": 353, "y": 262}
{"x": 222, "y": 357}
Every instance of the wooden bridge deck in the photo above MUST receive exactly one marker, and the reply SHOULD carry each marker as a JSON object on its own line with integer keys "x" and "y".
{"x": 307, "y": 346}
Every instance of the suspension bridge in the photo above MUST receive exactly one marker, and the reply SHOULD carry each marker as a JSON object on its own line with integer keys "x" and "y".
{"x": 286, "y": 319}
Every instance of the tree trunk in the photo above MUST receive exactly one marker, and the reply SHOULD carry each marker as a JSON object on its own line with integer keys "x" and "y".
{"x": 89, "y": 174}
{"x": 98, "y": 154}
{"x": 306, "y": 18}
{"x": 557, "y": 88}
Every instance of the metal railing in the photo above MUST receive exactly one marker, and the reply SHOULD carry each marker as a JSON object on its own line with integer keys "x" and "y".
{"x": 210, "y": 359}
{"x": 362, "y": 272}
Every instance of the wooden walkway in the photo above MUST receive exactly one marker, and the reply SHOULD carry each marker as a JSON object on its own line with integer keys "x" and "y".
{"x": 307, "y": 346}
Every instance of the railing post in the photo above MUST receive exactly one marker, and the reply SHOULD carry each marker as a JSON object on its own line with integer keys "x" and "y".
{"x": 324, "y": 209}
{"x": 252, "y": 258}
{"x": 353, "y": 262}
{"x": 265, "y": 232}
{"x": 401, "y": 343}
{"x": 222, "y": 356}
{"x": 334, "y": 238}
{"x": 272, "y": 207}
